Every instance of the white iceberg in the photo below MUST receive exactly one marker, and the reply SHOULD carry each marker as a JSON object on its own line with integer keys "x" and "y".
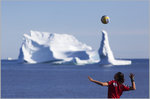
{"x": 9, "y": 58}
{"x": 106, "y": 55}
{"x": 45, "y": 47}
{"x": 64, "y": 49}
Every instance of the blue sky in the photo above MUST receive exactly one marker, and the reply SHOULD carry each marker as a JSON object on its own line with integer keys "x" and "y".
{"x": 127, "y": 30}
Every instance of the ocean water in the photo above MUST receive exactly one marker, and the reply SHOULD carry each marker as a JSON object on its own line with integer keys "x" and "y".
{"x": 46, "y": 80}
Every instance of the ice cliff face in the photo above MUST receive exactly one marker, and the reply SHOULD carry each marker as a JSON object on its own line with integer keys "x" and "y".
{"x": 44, "y": 47}
{"x": 63, "y": 48}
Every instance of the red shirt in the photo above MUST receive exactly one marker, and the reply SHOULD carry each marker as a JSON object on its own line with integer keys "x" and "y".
{"x": 115, "y": 89}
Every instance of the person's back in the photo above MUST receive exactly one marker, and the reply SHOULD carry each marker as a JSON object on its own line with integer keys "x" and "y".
{"x": 116, "y": 86}
{"x": 115, "y": 89}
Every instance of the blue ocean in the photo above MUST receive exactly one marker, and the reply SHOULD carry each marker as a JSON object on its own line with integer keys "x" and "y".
{"x": 46, "y": 80}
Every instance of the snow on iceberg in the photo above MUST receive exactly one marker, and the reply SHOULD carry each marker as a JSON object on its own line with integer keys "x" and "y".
{"x": 106, "y": 55}
{"x": 44, "y": 47}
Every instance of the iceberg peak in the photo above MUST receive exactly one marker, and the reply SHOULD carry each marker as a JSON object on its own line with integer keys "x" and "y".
{"x": 105, "y": 53}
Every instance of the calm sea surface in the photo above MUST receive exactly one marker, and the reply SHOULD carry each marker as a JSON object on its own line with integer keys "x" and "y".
{"x": 69, "y": 81}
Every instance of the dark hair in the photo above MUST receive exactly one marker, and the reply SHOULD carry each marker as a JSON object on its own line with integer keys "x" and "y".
{"x": 119, "y": 77}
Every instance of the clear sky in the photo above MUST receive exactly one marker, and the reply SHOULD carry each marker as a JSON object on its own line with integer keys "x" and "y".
{"x": 127, "y": 31}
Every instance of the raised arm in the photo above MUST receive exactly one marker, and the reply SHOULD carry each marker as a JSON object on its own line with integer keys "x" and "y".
{"x": 132, "y": 82}
{"x": 98, "y": 82}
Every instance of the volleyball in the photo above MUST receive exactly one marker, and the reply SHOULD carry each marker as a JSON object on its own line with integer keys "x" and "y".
{"x": 105, "y": 19}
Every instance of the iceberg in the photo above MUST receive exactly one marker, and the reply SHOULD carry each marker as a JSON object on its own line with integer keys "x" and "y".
{"x": 39, "y": 47}
{"x": 53, "y": 47}
{"x": 9, "y": 58}
{"x": 106, "y": 54}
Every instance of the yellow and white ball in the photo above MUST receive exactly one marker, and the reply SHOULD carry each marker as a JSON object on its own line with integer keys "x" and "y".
{"x": 105, "y": 19}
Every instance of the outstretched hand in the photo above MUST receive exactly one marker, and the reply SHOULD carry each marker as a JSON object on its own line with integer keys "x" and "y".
{"x": 90, "y": 78}
{"x": 131, "y": 76}
{"x": 132, "y": 81}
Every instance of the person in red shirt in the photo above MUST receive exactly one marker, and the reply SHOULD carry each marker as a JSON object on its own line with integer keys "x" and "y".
{"x": 116, "y": 86}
